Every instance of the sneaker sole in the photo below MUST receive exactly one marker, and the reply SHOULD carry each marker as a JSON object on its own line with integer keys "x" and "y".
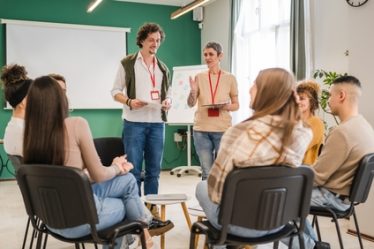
{"x": 161, "y": 230}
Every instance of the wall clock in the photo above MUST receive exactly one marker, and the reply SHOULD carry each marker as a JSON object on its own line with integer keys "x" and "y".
{"x": 356, "y": 3}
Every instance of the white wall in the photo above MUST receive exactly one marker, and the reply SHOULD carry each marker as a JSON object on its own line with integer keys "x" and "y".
{"x": 337, "y": 27}
{"x": 216, "y": 27}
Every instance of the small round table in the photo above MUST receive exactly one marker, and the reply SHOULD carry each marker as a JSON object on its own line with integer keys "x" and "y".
{"x": 167, "y": 199}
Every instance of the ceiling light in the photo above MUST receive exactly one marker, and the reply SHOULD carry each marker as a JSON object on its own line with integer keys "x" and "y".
{"x": 93, "y": 4}
{"x": 183, "y": 10}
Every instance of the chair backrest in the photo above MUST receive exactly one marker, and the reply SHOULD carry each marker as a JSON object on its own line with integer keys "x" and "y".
{"x": 266, "y": 197}
{"x": 60, "y": 196}
{"x": 363, "y": 179}
{"x": 16, "y": 161}
{"x": 108, "y": 148}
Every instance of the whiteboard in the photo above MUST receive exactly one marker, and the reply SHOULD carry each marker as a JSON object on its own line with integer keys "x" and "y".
{"x": 87, "y": 56}
{"x": 180, "y": 112}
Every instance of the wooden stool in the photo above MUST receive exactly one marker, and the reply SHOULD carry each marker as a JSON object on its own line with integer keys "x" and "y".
{"x": 168, "y": 199}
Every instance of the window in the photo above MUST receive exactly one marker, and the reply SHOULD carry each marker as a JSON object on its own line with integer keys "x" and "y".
{"x": 261, "y": 40}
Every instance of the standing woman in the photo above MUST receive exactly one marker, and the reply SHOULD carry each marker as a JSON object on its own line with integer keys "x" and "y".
{"x": 216, "y": 94}
{"x": 16, "y": 84}
{"x": 308, "y": 94}
{"x": 51, "y": 137}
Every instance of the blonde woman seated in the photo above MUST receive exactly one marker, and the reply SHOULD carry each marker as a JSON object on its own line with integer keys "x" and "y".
{"x": 51, "y": 137}
{"x": 308, "y": 103}
{"x": 274, "y": 134}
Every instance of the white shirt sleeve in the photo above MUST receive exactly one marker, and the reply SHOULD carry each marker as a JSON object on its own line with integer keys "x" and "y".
{"x": 119, "y": 85}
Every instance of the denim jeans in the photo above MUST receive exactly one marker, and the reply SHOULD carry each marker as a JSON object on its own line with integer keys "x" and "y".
{"x": 206, "y": 146}
{"x": 145, "y": 141}
{"x": 321, "y": 197}
{"x": 212, "y": 209}
{"x": 116, "y": 199}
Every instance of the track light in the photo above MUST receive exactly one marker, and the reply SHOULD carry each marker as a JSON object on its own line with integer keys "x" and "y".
{"x": 191, "y": 6}
{"x": 92, "y": 5}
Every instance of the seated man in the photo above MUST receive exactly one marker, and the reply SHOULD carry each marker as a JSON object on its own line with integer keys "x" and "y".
{"x": 345, "y": 146}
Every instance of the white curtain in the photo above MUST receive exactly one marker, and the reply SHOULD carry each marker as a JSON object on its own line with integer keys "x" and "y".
{"x": 261, "y": 39}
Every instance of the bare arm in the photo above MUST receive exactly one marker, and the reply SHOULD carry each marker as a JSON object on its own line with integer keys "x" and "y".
{"x": 192, "y": 97}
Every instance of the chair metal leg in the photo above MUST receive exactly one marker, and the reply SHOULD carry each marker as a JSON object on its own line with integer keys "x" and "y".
{"x": 77, "y": 246}
{"x": 335, "y": 220}
{"x": 357, "y": 229}
{"x": 83, "y": 246}
{"x": 26, "y": 232}
{"x": 301, "y": 240}
{"x": 45, "y": 241}
{"x": 193, "y": 243}
{"x": 316, "y": 225}
{"x": 276, "y": 245}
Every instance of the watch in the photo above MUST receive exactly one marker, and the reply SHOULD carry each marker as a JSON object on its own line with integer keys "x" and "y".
{"x": 356, "y": 3}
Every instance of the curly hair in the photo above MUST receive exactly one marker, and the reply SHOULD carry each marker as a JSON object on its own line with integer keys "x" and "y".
{"x": 146, "y": 29}
{"x": 312, "y": 90}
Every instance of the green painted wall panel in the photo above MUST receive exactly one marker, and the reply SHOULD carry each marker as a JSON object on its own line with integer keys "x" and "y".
{"x": 181, "y": 47}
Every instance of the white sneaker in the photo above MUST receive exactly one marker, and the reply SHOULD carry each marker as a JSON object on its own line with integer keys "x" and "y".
{"x": 135, "y": 244}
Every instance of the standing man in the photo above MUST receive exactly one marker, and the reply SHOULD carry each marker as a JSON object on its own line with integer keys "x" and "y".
{"x": 142, "y": 85}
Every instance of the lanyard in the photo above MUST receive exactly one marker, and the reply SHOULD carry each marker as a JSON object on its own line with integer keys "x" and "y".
{"x": 153, "y": 76}
{"x": 213, "y": 94}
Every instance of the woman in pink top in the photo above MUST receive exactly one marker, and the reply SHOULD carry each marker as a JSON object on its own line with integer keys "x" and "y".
{"x": 51, "y": 137}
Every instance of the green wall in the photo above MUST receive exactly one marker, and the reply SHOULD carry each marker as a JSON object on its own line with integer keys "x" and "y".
{"x": 181, "y": 47}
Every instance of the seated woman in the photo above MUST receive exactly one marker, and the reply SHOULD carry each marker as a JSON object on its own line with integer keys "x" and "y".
{"x": 16, "y": 84}
{"x": 51, "y": 137}
{"x": 274, "y": 134}
{"x": 308, "y": 93}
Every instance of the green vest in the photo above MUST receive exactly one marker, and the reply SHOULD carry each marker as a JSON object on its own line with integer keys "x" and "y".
{"x": 128, "y": 64}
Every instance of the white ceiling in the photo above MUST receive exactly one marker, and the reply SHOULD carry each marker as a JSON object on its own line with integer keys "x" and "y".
{"x": 163, "y": 2}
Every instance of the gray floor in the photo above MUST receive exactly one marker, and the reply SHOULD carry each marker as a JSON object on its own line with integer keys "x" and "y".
{"x": 13, "y": 218}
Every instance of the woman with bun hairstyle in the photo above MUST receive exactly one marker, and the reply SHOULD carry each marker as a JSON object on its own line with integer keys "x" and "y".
{"x": 308, "y": 103}
{"x": 15, "y": 84}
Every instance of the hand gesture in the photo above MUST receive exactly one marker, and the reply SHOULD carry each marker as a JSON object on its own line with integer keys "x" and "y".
{"x": 166, "y": 104}
{"x": 193, "y": 83}
{"x": 137, "y": 104}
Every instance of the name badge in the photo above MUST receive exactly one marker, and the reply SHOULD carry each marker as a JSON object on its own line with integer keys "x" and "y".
{"x": 213, "y": 112}
{"x": 155, "y": 95}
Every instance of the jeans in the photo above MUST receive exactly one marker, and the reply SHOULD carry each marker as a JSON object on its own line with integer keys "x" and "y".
{"x": 206, "y": 146}
{"x": 145, "y": 141}
{"x": 212, "y": 209}
{"x": 321, "y": 197}
{"x": 116, "y": 199}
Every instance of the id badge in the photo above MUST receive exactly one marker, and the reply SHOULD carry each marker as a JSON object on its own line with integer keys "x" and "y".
{"x": 213, "y": 112}
{"x": 155, "y": 95}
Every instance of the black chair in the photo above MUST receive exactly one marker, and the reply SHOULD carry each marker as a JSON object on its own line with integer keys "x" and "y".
{"x": 61, "y": 197}
{"x": 109, "y": 148}
{"x": 359, "y": 192}
{"x": 261, "y": 198}
{"x": 17, "y": 162}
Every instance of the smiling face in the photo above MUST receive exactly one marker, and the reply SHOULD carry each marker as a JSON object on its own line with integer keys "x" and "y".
{"x": 211, "y": 57}
{"x": 304, "y": 103}
{"x": 151, "y": 43}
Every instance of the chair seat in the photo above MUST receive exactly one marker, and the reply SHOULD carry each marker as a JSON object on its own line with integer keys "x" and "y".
{"x": 123, "y": 228}
{"x": 328, "y": 212}
{"x": 205, "y": 227}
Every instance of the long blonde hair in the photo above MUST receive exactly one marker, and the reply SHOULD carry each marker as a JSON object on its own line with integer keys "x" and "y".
{"x": 276, "y": 96}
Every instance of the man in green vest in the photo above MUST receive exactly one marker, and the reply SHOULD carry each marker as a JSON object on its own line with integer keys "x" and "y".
{"x": 142, "y": 85}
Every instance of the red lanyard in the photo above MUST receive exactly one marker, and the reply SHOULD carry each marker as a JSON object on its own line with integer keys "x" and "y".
{"x": 153, "y": 76}
{"x": 213, "y": 94}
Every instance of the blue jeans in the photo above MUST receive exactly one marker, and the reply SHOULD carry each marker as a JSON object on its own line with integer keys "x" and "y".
{"x": 212, "y": 209}
{"x": 145, "y": 141}
{"x": 206, "y": 146}
{"x": 116, "y": 199}
{"x": 321, "y": 197}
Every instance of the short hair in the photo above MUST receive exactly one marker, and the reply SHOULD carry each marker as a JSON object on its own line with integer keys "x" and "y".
{"x": 57, "y": 77}
{"x": 214, "y": 45}
{"x": 348, "y": 79}
{"x": 147, "y": 29}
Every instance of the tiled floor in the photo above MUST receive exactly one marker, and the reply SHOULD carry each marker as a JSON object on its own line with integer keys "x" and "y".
{"x": 13, "y": 218}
